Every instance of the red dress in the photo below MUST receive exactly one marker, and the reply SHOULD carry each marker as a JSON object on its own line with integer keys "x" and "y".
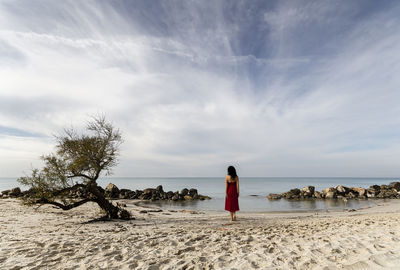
{"x": 232, "y": 202}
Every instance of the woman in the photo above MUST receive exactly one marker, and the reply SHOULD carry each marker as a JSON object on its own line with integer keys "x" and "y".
{"x": 232, "y": 192}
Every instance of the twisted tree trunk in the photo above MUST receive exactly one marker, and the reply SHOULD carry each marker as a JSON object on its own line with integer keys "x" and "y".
{"x": 111, "y": 210}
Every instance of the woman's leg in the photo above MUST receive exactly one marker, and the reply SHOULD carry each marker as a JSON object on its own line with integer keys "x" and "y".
{"x": 234, "y": 216}
{"x": 231, "y": 216}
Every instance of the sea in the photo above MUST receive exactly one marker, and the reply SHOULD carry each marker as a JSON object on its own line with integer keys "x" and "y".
{"x": 253, "y": 191}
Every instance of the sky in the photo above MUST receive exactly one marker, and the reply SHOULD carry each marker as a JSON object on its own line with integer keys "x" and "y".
{"x": 275, "y": 88}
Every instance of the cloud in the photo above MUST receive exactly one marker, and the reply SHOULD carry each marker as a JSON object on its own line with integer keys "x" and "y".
{"x": 279, "y": 89}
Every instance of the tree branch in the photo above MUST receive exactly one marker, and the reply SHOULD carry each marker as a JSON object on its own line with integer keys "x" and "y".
{"x": 62, "y": 206}
{"x": 61, "y": 191}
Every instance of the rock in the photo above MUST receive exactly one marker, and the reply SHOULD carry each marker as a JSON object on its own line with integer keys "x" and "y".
{"x": 292, "y": 194}
{"x": 351, "y": 195}
{"x": 370, "y": 194}
{"x": 330, "y": 195}
{"x": 395, "y": 185}
{"x": 111, "y": 191}
{"x": 317, "y": 195}
{"x": 331, "y": 189}
{"x": 388, "y": 194}
{"x": 273, "y": 196}
{"x": 193, "y": 192}
{"x": 124, "y": 193}
{"x": 131, "y": 195}
{"x": 308, "y": 189}
{"x": 5, "y": 192}
{"x": 170, "y": 194}
{"x": 142, "y": 211}
{"x": 203, "y": 197}
{"x": 184, "y": 192}
{"x": 384, "y": 187}
{"x": 188, "y": 198}
{"x": 149, "y": 191}
{"x": 124, "y": 214}
{"x": 175, "y": 197}
{"x": 160, "y": 189}
{"x": 15, "y": 192}
{"x": 121, "y": 204}
{"x": 375, "y": 187}
{"x": 295, "y": 191}
{"x": 342, "y": 190}
{"x": 360, "y": 191}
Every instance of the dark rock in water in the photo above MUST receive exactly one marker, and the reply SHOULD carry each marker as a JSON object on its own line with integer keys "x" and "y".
{"x": 14, "y": 192}
{"x": 317, "y": 195}
{"x": 351, "y": 195}
{"x": 111, "y": 191}
{"x": 148, "y": 191}
{"x": 273, "y": 196}
{"x": 170, "y": 194}
{"x": 342, "y": 190}
{"x": 5, "y": 192}
{"x": 203, "y": 197}
{"x": 308, "y": 190}
{"x": 331, "y": 189}
{"x": 184, "y": 192}
{"x": 121, "y": 204}
{"x": 330, "y": 195}
{"x": 132, "y": 195}
{"x": 160, "y": 189}
{"x": 395, "y": 185}
{"x": 188, "y": 198}
{"x": 192, "y": 192}
{"x": 384, "y": 187}
{"x": 375, "y": 187}
{"x": 175, "y": 197}
{"x": 388, "y": 193}
{"x": 295, "y": 191}
{"x": 124, "y": 193}
{"x": 383, "y": 191}
{"x": 371, "y": 193}
{"x": 360, "y": 192}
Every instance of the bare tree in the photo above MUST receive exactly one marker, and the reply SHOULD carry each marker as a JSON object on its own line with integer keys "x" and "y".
{"x": 77, "y": 163}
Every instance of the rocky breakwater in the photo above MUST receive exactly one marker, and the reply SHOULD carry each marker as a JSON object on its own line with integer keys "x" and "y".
{"x": 113, "y": 192}
{"x": 11, "y": 193}
{"x": 391, "y": 191}
{"x": 153, "y": 194}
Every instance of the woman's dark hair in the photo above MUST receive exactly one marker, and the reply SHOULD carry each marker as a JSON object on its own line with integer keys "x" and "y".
{"x": 232, "y": 172}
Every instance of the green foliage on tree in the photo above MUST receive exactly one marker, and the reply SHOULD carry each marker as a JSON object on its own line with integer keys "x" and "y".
{"x": 77, "y": 163}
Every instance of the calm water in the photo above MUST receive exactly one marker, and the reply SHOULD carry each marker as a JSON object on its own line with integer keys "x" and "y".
{"x": 253, "y": 191}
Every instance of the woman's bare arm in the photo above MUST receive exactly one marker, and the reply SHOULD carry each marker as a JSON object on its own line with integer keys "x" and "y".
{"x": 226, "y": 186}
{"x": 237, "y": 185}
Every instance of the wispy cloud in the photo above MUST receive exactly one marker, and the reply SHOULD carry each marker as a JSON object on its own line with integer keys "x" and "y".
{"x": 277, "y": 88}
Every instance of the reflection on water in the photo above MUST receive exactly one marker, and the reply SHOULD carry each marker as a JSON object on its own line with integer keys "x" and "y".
{"x": 253, "y": 191}
{"x": 260, "y": 204}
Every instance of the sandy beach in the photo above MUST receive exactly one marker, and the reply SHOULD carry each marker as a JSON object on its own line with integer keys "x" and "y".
{"x": 48, "y": 238}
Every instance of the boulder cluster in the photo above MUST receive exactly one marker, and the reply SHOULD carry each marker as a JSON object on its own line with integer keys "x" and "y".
{"x": 113, "y": 192}
{"x": 153, "y": 194}
{"x": 11, "y": 193}
{"x": 391, "y": 191}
